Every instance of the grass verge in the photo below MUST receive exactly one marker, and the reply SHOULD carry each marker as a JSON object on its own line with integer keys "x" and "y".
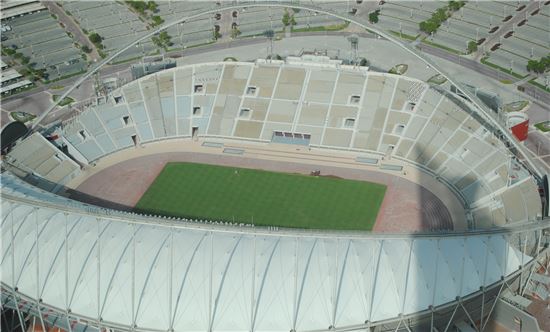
{"x": 543, "y": 126}
{"x": 335, "y": 27}
{"x": 538, "y": 85}
{"x": 448, "y": 49}
{"x": 502, "y": 69}
{"x": 403, "y": 35}
{"x": 22, "y": 116}
{"x": 66, "y": 101}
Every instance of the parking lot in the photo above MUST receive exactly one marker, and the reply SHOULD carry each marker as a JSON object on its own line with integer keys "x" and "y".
{"x": 114, "y": 22}
{"x": 39, "y": 37}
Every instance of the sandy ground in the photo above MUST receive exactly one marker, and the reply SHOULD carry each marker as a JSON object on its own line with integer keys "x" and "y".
{"x": 413, "y": 201}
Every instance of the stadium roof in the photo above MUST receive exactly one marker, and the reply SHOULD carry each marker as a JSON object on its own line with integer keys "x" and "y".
{"x": 197, "y": 277}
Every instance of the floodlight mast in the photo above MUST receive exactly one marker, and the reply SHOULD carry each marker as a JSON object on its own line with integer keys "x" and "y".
{"x": 480, "y": 108}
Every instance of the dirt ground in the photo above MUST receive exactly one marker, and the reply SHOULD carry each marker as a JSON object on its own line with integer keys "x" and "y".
{"x": 407, "y": 206}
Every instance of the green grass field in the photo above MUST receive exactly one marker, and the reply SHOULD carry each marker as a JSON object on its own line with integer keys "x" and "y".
{"x": 263, "y": 198}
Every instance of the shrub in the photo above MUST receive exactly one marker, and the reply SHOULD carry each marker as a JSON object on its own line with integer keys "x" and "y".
{"x": 157, "y": 20}
{"x": 536, "y": 66}
{"x": 157, "y": 41}
{"x": 373, "y": 16}
{"x": 286, "y": 19}
{"x": 95, "y": 38}
{"x": 428, "y": 26}
{"x": 8, "y": 51}
{"x": 139, "y": 6}
{"x": 235, "y": 33}
{"x": 152, "y": 6}
{"x": 456, "y": 5}
{"x": 24, "y": 71}
{"x": 39, "y": 73}
{"x": 439, "y": 16}
{"x": 472, "y": 46}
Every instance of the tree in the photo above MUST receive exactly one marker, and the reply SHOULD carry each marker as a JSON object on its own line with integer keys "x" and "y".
{"x": 39, "y": 73}
{"x": 440, "y": 15}
{"x": 86, "y": 49}
{"x": 456, "y": 5}
{"x": 157, "y": 41}
{"x": 139, "y": 6}
{"x": 537, "y": 66}
{"x": 472, "y": 46}
{"x": 8, "y": 51}
{"x": 157, "y": 20}
{"x": 235, "y": 32}
{"x": 286, "y": 19}
{"x": 95, "y": 38}
{"x": 25, "y": 72}
{"x": 427, "y": 26}
{"x": 373, "y": 16}
{"x": 164, "y": 36}
{"x": 152, "y": 6}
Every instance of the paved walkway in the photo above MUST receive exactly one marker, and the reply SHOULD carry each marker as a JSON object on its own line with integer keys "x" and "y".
{"x": 414, "y": 200}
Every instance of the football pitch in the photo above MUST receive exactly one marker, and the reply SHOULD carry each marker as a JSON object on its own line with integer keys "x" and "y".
{"x": 221, "y": 193}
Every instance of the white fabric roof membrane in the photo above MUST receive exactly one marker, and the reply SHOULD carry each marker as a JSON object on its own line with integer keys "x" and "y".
{"x": 197, "y": 278}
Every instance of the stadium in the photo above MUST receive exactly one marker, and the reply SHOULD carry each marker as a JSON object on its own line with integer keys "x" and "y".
{"x": 298, "y": 194}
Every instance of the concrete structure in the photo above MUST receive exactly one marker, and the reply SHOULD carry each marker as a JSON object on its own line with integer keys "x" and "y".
{"x": 15, "y": 86}
{"x": 11, "y": 9}
{"x": 85, "y": 268}
{"x": 331, "y": 106}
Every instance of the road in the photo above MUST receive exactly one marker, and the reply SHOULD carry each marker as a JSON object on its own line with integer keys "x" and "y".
{"x": 531, "y": 90}
{"x": 540, "y": 96}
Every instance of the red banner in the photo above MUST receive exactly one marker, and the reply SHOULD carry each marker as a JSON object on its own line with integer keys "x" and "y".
{"x": 520, "y": 130}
